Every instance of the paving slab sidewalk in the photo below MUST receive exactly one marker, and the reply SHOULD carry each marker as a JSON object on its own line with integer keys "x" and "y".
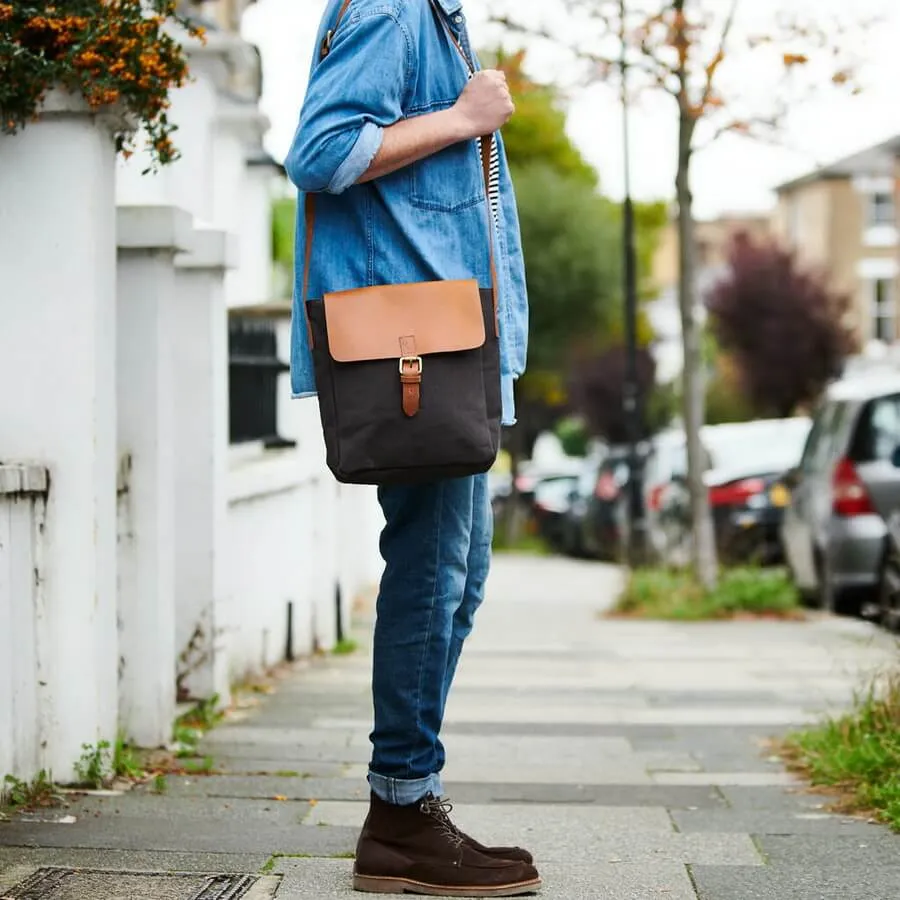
{"x": 629, "y": 756}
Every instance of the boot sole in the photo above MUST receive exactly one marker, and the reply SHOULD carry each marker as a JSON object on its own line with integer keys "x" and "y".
{"x": 373, "y": 885}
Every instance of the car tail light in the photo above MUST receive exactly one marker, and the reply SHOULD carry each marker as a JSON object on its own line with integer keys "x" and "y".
{"x": 849, "y": 495}
{"x": 606, "y": 488}
{"x": 654, "y": 497}
{"x": 737, "y": 493}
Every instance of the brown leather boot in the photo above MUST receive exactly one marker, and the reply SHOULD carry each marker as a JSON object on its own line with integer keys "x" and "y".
{"x": 416, "y": 850}
{"x": 444, "y": 807}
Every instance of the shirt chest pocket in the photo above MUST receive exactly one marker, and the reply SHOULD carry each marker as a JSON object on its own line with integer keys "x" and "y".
{"x": 449, "y": 180}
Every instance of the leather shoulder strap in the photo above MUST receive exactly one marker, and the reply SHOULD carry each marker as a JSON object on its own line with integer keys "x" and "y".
{"x": 309, "y": 210}
{"x": 329, "y": 35}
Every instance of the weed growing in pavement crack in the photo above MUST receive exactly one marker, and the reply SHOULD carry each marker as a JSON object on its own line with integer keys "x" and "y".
{"x": 37, "y": 793}
{"x": 272, "y": 861}
{"x": 200, "y": 766}
{"x": 100, "y": 763}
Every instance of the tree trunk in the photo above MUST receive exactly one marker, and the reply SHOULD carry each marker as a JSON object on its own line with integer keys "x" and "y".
{"x": 703, "y": 545}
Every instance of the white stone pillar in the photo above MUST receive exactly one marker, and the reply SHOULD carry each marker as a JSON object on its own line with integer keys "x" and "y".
{"x": 23, "y": 495}
{"x": 200, "y": 345}
{"x": 58, "y": 401}
{"x": 148, "y": 239}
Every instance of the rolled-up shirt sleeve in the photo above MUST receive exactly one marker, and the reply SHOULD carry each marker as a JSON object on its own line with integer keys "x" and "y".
{"x": 354, "y": 93}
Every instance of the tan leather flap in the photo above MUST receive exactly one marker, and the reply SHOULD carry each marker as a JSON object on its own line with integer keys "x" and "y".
{"x": 429, "y": 317}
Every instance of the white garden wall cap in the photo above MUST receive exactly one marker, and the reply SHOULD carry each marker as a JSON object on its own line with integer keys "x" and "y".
{"x": 267, "y": 309}
{"x": 254, "y": 472}
{"x": 243, "y": 117}
{"x": 59, "y": 103}
{"x": 154, "y": 227}
{"x": 23, "y": 478}
{"x": 210, "y": 249}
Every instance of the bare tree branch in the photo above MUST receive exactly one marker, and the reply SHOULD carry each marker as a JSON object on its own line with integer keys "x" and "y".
{"x": 601, "y": 66}
{"x": 713, "y": 67}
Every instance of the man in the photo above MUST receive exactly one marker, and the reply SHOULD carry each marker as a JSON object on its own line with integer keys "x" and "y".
{"x": 389, "y": 140}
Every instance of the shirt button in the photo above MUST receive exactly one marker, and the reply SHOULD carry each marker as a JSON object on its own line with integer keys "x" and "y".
{"x": 458, "y": 20}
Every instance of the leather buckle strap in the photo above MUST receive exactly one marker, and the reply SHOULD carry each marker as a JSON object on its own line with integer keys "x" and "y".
{"x": 414, "y": 361}
{"x": 411, "y": 381}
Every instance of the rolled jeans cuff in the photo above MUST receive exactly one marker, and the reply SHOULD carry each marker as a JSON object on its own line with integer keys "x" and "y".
{"x": 405, "y": 791}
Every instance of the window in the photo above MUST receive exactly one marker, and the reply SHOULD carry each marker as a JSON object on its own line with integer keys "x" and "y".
{"x": 881, "y": 209}
{"x": 884, "y": 314}
{"x": 821, "y": 444}
{"x": 254, "y": 370}
{"x": 878, "y": 432}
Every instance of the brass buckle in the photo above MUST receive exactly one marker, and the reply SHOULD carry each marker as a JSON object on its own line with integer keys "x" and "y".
{"x": 412, "y": 360}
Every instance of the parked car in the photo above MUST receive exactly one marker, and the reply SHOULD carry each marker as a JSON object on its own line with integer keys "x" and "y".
{"x": 551, "y": 500}
{"x": 745, "y": 472}
{"x": 664, "y": 466}
{"x": 572, "y": 525}
{"x": 889, "y": 586}
{"x": 606, "y": 522}
{"x": 843, "y": 492}
{"x": 747, "y": 493}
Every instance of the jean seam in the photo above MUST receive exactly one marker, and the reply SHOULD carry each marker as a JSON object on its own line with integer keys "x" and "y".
{"x": 427, "y": 641}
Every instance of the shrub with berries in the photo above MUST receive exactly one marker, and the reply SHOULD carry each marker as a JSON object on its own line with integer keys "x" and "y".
{"x": 121, "y": 53}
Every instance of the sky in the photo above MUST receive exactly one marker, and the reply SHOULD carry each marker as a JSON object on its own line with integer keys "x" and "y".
{"x": 734, "y": 175}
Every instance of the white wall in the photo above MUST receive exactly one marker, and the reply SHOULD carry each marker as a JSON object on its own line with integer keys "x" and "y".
{"x": 23, "y": 494}
{"x": 58, "y": 402}
{"x": 270, "y": 561}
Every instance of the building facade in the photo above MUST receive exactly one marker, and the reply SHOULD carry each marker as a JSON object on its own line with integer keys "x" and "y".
{"x": 843, "y": 218}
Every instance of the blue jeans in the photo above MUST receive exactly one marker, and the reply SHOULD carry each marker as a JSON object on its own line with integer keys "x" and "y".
{"x": 436, "y": 546}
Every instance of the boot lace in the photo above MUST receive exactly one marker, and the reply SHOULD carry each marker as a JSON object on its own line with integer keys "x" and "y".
{"x": 439, "y": 809}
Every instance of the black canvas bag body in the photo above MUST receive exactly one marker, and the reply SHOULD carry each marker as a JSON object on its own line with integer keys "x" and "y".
{"x": 408, "y": 375}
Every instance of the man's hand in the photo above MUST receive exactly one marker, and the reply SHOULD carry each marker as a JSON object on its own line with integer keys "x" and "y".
{"x": 483, "y": 108}
{"x": 486, "y": 105}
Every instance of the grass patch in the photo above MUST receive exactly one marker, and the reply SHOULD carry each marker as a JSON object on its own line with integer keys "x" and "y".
{"x": 272, "y": 861}
{"x": 856, "y": 756}
{"x": 741, "y": 593}
{"x": 205, "y": 715}
{"x": 103, "y": 762}
{"x": 38, "y": 793}
{"x": 203, "y": 766}
{"x": 531, "y": 544}
{"x": 345, "y": 647}
{"x": 160, "y": 784}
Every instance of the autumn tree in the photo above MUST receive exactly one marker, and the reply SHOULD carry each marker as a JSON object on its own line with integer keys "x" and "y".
{"x": 724, "y": 74}
{"x": 785, "y": 328}
{"x": 571, "y": 237}
{"x": 597, "y": 384}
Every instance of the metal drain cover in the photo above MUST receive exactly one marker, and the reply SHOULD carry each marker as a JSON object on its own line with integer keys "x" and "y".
{"x": 92, "y": 884}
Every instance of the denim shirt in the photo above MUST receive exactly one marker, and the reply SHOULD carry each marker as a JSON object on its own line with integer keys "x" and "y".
{"x": 391, "y": 60}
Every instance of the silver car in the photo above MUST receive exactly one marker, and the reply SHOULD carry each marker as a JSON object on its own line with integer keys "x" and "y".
{"x": 843, "y": 491}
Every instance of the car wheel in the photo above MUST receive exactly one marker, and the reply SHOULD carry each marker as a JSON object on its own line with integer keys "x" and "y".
{"x": 889, "y": 595}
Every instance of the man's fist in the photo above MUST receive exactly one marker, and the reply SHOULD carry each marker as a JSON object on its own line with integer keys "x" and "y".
{"x": 485, "y": 105}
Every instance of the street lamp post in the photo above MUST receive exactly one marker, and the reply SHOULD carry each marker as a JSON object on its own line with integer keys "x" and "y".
{"x": 631, "y": 399}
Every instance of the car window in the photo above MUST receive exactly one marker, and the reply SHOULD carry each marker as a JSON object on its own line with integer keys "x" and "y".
{"x": 878, "y": 430}
{"x": 820, "y": 444}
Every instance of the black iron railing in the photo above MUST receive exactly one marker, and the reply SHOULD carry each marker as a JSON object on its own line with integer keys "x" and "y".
{"x": 253, "y": 373}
